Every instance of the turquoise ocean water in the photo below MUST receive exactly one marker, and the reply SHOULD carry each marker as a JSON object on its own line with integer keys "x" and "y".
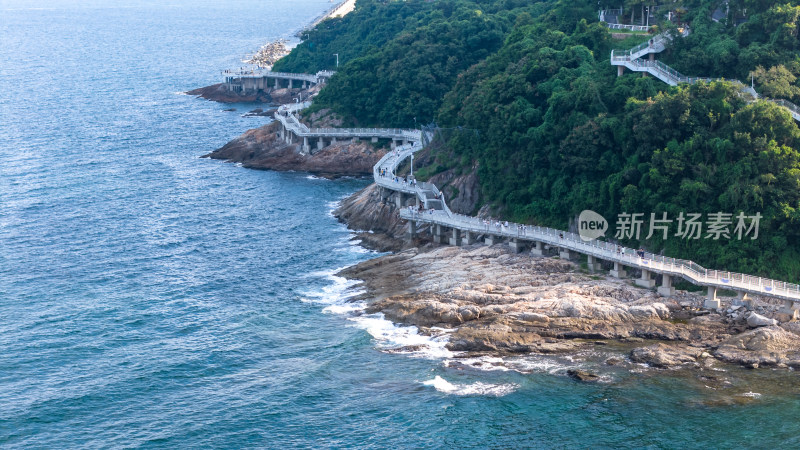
{"x": 149, "y": 298}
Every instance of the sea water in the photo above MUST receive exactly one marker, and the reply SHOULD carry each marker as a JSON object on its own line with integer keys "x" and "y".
{"x": 152, "y": 298}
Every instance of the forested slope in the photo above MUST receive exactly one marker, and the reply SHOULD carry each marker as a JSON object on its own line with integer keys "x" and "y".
{"x": 554, "y": 131}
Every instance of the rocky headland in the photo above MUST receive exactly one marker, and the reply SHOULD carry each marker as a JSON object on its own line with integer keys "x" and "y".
{"x": 502, "y": 303}
{"x": 219, "y": 93}
{"x": 261, "y": 148}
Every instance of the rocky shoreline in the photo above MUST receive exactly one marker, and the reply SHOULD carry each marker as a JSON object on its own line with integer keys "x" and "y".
{"x": 219, "y": 93}
{"x": 261, "y": 148}
{"x": 502, "y": 303}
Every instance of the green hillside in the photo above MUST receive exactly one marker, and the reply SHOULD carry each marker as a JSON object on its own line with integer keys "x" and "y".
{"x": 556, "y": 131}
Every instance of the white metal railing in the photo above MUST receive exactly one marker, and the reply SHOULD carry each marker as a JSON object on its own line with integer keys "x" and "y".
{"x": 619, "y": 26}
{"x": 611, "y": 252}
{"x": 632, "y": 60}
{"x": 292, "y": 124}
{"x": 266, "y": 73}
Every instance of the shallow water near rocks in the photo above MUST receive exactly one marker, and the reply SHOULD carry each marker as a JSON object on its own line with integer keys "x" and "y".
{"x": 152, "y": 298}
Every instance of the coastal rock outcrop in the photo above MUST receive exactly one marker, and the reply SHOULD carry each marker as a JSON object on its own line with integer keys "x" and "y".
{"x": 261, "y": 148}
{"x": 376, "y": 221}
{"x": 765, "y": 346}
{"x": 220, "y": 93}
{"x": 662, "y": 355}
{"x": 757, "y": 320}
{"x": 500, "y": 302}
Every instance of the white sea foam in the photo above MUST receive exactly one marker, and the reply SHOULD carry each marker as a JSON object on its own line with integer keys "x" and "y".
{"x": 346, "y": 308}
{"x": 486, "y": 363}
{"x": 403, "y": 339}
{"x": 750, "y": 395}
{"x": 338, "y": 297}
{"x": 477, "y": 388}
{"x": 338, "y": 292}
{"x": 332, "y": 205}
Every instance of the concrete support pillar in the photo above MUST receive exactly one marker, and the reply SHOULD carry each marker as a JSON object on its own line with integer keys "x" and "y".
{"x": 742, "y": 299}
{"x": 333, "y": 141}
{"x": 375, "y": 140}
{"x": 354, "y": 140}
{"x": 320, "y": 144}
{"x": 438, "y": 233}
{"x": 455, "y": 239}
{"x": 592, "y": 263}
{"x": 788, "y": 308}
{"x": 618, "y": 271}
{"x": 712, "y": 302}
{"x": 666, "y": 288}
{"x": 646, "y": 281}
{"x": 515, "y": 244}
{"x": 652, "y": 57}
{"x": 305, "y": 84}
{"x": 306, "y": 147}
{"x": 276, "y": 84}
{"x": 490, "y": 240}
{"x": 564, "y": 253}
{"x": 620, "y": 70}
{"x": 399, "y": 200}
{"x": 468, "y": 238}
{"x": 384, "y": 194}
{"x": 538, "y": 249}
{"x": 411, "y": 230}
{"x": 394, "y": 144}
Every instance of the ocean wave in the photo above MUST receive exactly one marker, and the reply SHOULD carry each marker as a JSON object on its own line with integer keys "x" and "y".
{"x": 750, "y": 395}
{"x": 347, "y": 308}
{"x": 404, "y": 339}
{"x": 477, "y": 388}
{"x": 339, "y": 292}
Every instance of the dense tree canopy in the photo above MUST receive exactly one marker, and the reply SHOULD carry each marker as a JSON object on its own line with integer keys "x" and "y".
{"x": 556, "y": 131}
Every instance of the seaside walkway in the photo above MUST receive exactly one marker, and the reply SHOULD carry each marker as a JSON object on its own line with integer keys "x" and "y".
{"x": 632, "y": 59}
{"x": 423, "y": 203}
{"x": 292, "y": 129}
{"x": 254, "y": 80}
{"x": 458, "y": 229}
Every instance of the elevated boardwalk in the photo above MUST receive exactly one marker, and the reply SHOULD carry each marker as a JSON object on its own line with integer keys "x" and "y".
{"x": 632, "y": 60}
{"x": 423, "y": 203}
{"x": 254, "y": 80}
{"x": 460, "y": 229}
{"x": 292, "y": 129}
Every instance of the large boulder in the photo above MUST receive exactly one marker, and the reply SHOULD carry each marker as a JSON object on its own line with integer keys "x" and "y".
{"x": 770, "y": 345}
{"x": 662, "y": 355}
{"x": 756, "y": 320}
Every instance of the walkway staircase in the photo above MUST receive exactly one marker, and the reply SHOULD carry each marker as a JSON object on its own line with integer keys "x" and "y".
{"x": 632, "y": 59}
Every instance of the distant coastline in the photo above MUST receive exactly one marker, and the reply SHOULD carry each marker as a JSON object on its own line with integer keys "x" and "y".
{"x": 341, "y": 9}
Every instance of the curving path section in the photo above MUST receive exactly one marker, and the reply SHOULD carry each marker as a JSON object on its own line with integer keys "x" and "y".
{"x": 431, "y": 208}
{"x": 632, "y": 59}
{"x": 466, "y": 228}
{"x": 292, "y": 128}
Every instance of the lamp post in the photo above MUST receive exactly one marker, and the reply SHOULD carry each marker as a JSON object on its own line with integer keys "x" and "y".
{"x": 337, "y": 59}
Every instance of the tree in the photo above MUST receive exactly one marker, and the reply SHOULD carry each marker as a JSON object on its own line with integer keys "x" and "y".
{"x": 776, "y": 82}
